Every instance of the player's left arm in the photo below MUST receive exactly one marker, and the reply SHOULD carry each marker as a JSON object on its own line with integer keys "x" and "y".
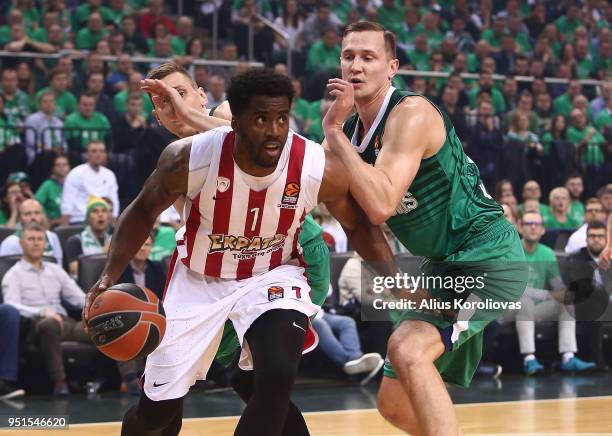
{"x": 409, "y": 133}
{"x": 367, "y": 238}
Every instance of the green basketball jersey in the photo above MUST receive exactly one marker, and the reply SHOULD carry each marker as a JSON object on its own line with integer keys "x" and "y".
{"x": 446, "y": 207}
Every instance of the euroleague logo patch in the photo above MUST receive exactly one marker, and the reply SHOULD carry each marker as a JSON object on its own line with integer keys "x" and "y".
{"x": 275, "y": 292}
{"x": 290, "y": 196}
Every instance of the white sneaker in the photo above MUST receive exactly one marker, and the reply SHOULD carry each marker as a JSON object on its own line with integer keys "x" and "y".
{"x": 366, "y": 363}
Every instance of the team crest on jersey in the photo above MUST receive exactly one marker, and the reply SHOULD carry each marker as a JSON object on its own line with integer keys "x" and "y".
{"x": 407, "y": 205}
{"x": 290, "y": 196}
{"x": 275, "y": 292}
{"x": 223, "y": 184}
{"x": 248, "y": 247}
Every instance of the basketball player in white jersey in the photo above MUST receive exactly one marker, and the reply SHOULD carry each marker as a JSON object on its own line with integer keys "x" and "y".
{"x": 247, "y": 191}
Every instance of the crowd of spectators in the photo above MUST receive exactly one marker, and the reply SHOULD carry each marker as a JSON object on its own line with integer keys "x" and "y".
{"x": 78, "y": 137}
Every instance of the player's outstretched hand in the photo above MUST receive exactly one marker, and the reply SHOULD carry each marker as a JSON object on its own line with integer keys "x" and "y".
{"x": 163, "y": 95}
{"x": 605, "y": 258}
{"x": 342, "y": 106}
{"x": 100, "y": 286}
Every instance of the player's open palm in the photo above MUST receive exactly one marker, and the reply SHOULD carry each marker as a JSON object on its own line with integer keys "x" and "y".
{"x": 100, "y": 286}
{"x": 342, "y": 106}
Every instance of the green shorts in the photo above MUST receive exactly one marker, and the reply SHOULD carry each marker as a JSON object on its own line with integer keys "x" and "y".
{"x": 496, "y": 263}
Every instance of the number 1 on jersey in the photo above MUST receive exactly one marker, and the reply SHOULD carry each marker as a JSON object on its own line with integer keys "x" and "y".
{"x": 255, "y": 212}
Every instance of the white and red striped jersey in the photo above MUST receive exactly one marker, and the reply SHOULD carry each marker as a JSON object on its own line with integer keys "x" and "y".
{"x": 239, "y": 225}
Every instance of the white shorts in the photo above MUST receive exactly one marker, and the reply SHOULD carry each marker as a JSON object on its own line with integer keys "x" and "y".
{"x": 196, "y": 310}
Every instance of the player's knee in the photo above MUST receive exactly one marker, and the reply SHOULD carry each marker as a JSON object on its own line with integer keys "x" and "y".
{"x": 402, "y": 354}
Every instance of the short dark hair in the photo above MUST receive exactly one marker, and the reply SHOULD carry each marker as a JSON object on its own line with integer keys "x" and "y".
{"x": 594, "y": 225}
{"x": 87, "y": 94}
{"x": 370, "y": 26}
{"x": 257, "y": 81}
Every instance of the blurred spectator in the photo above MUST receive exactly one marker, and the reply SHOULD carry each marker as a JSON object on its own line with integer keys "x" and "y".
{"x": 263, "y": 36}
{"x": 49, "y": 194}
{"x": 129, "y": 129}
{"x": 333, "y": 228}
{"x": 575, "y": 187}
{"x": 95, "y": 237}
{"x": 86, "y": 125}
{"x": 485, "y": 82}
{"x": 104, "y": 105}
{"x": 116, "y": 42}
{"x": 85, "y": 11}
{"x": 44, "y": 128}
{"x": 505, "y": 58}
{"x": 12, "y": 197}
{"x": 133, "y": 87}
{"x": 118, "y": 80}
{"x": 523, "y": 152}
{"x": 485, "y": 143}
{"x": 134, "y": 42}
{"x": 539, "y": 304}
{"x": 16, "y": 102}
{"x": 589, "y": 285}
{"x": 47, "y": 322}
{"x": 83, "y": 181}
{"x": 391, "y": 15}
{"x": 544, "y": 114}
{"x": 155, "y": 15}
{"x": 15, "y": 16}
{"x": 525, "y": 106}
{"x": 603, "y": 119}
{"x": 419, "y": 56}
{"x": 20, "y": 41}
{"x": 164, "y": 241}
{"x": 537, "y": 20}
{"x": 316, "y": 24}
{"x": 409, "y": 29}
{"x": 65, "y": 101}
{"x": 568, "y": 22}
{"x": 450, "y": 99}
{"x": 25, "y": 79}
{"x": 594, "y": 211}
{"x": 178, "y": 43}
{"x": 216, "y": 91}
{"x": 9, "y": 352}
{"x": 559, "y": 207}
{"x": 561, "y": 153}
{"x": 532, "y": 191}
{"x": 324, "y": 55}
{"x": 465, "y": 41}
{"x": 88, "y": 37}
{"x": 495, "y": 34}
{"x": 144, "y": 272}
{"x": 587, "y": 140}
{"x": 600, "y": 103}
{"x": 510, "y": 92}
{"x": 563, "y": 103}
{"x": 292, "y": 24}
{"x": 30, "y": 211}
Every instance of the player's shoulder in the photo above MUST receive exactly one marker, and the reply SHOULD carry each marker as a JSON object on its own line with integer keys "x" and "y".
{"x": 203, "y": 145}
{"x": 413, "y": 105}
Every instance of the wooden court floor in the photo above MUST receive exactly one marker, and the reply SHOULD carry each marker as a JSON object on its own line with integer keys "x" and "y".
{"x": 588, "y": 416}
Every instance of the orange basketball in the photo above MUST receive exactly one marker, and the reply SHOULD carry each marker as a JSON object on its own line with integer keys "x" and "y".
{"x": 126, "y": 322}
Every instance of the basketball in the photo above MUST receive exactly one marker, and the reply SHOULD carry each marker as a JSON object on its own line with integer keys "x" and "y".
{"x": 126, "y": 322}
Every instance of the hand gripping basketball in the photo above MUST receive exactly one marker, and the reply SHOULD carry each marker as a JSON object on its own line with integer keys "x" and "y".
{"x": 100, "y": 286}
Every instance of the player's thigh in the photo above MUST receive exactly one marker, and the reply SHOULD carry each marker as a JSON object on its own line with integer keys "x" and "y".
{"x": 394, "y": 404}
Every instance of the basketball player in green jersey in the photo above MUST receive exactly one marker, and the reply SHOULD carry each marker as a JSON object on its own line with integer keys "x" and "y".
{"x": 408, "y": 169}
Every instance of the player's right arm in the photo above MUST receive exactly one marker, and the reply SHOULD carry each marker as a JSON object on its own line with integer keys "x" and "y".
{"x": 167, "y": 182}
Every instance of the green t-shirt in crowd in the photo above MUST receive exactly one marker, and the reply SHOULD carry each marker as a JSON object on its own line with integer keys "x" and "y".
{"x": 65, "y": 103}
{"x": 19, "y": 106}
{"x": 392, "y": 18}
{"x": 576, "y": 211}
{"x": 322, "y": 58}
{"x": 551, "y": 222}
{"x": 88, "y": 129}
{"x": 301, "y": 109}
{"x": 493, "y": 39}
{"x": 178, "y": 46}
{"x": 603, "y": 119}
{"x": 544, "y": 211}
{"x": 592, "y": 154}
{"x": 562, "y": 105}
{"x": 82, "y": 13}
{"x": 542, "y": 266}
{"x": 419, "y": 60}
{"x": 120, "y": 102}
{"x": 49, "y": 195}
{"x": 164, "y": 244}
{"x": 3, "y": 218}
{"x": 567, "y": 27}
{"x": 85, "y": 40}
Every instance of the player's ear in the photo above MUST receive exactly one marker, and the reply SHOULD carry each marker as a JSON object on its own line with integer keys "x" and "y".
{"x": 154, "y": 113}
{"x": 203, "y": 96}
{"x": 393, "y": 67}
